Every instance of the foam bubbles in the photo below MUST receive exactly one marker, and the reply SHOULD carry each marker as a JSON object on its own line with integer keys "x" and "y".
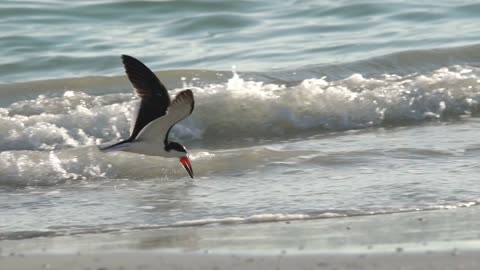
{"x": 72, "y": 120}
{"x": 21, "y": 168}
{"x": 243, "y": 109}
{"x": 53, "y": 136}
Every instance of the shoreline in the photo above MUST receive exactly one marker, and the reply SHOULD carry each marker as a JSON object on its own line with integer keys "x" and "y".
{"x": 440, "y": 239}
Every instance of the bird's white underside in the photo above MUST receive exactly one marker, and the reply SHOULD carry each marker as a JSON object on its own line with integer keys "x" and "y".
{"x": 148, "y": 148}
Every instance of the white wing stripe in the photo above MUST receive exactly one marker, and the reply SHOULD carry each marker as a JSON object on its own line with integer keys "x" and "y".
{"x": 181, "y": 107}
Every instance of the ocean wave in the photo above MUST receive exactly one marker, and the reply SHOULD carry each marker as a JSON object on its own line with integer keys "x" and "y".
{"x": 243, "y": 111}
{"x": 51, "y": 138}
{"x": 38, "y": 42}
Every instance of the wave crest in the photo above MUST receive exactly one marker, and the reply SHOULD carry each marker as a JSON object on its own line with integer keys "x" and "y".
{"x": 243, "y": 110}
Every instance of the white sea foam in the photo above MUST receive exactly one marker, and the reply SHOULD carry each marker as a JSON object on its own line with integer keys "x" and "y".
{"x": 270, "y": 217}
{"x": 31, "y": 129}
{"x": 232, "y": 110}
{"x": 251, "y": 219}
{"x": 71, "y": 120}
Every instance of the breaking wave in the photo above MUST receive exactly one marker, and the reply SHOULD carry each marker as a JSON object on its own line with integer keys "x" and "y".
{"x": 58, "y": 131}
{"x": 228, "y": 112}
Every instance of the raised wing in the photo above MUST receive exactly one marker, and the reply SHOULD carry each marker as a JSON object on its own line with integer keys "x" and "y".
{"x": 158, "y": 130}
{"x": 154, "y": 98}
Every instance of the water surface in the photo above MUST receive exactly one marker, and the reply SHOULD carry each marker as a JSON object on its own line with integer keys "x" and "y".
{"x": 333, "y": 109}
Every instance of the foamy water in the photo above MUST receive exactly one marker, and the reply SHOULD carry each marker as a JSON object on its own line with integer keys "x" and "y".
{"x": 73, "y": 118}
{"x": 333, "y": 110}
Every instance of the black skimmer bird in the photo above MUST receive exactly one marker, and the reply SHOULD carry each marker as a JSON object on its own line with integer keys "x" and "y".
{"x": 154, "y": 116}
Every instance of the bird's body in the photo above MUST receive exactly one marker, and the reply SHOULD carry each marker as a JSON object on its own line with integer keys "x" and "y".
{"x": 141, "y": 147}
{"x": 154, "y": 116}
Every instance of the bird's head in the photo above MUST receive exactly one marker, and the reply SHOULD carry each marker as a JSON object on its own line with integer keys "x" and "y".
{"x": 177, "y": 150}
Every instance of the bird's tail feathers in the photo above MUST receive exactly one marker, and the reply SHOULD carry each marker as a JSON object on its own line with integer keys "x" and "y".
{"x": 110, "y": 147}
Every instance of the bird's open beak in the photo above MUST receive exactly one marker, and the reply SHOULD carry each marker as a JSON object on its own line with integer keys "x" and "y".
{"x": 187, "y": 165}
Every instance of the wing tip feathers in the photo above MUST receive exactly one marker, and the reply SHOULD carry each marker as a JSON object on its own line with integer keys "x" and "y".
{"x": 185, "y": 95}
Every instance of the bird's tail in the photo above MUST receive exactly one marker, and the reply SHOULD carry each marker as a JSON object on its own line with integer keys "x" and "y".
{"x": 109, "y": 147}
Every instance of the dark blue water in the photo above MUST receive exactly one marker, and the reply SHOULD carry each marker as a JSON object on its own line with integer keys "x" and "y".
{"x": 57, "y": 39}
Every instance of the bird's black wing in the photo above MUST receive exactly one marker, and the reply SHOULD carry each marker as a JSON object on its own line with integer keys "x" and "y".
{"x": 182, "y": 106}
{"x": 154, "y": 98}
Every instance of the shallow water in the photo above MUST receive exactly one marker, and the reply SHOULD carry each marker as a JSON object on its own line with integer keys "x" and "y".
{"x": 334, "y": 109}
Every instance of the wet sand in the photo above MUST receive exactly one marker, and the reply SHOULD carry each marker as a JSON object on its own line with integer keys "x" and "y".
{"x": 153, "y": 260}
{"x": 441, "y": 239}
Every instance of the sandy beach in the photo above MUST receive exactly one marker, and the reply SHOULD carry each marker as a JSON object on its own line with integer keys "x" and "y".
{"x": 442, "y": 239}
{"x": 153, "y": 260}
